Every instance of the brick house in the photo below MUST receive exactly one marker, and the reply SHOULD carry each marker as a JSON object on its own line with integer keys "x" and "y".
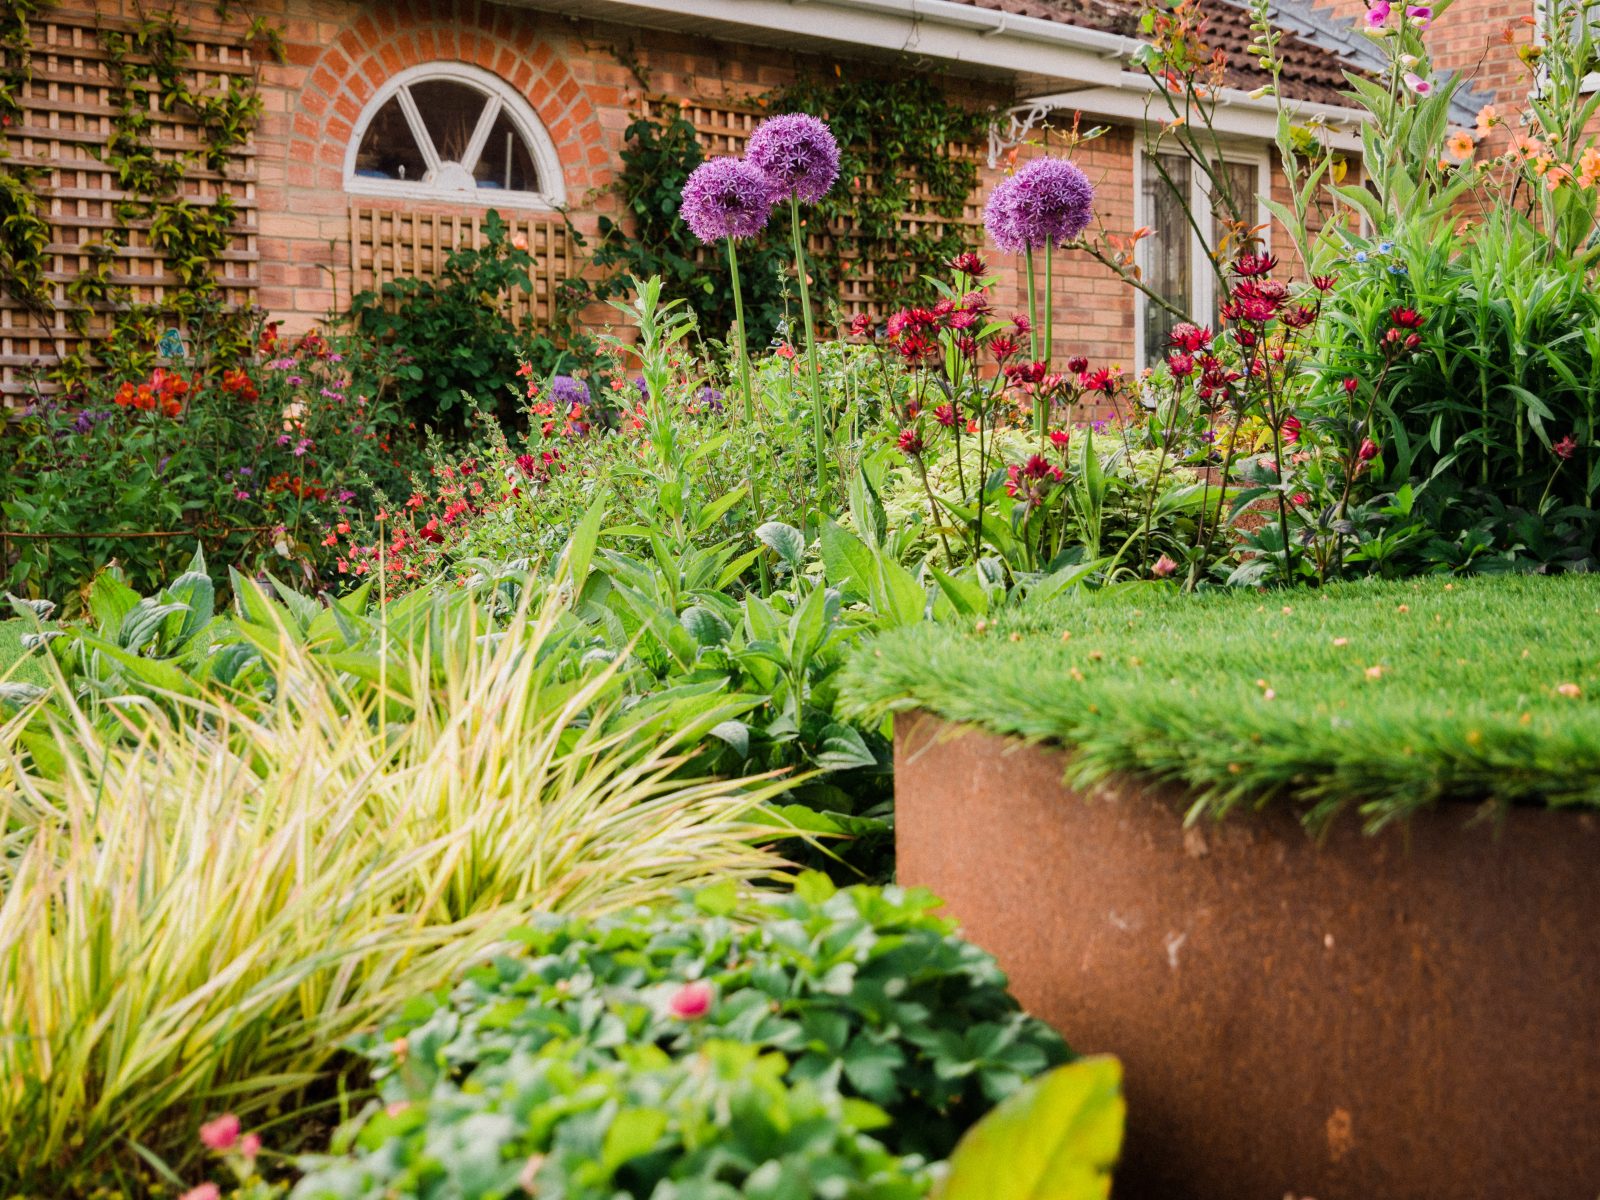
{"x": 390, "y": 126}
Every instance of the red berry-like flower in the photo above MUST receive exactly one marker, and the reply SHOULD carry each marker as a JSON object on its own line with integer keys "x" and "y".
{"x": 1291, "y": 429}
{"x": 1189, "y": 338}
{"x": 221, "y": 1133}
{"x": 1323, "y": 283}
{"x": 1368, "y": 450}
{"x": 1180, "y": 364}
{"x": 1406, "y": 318}
{"x": 1098, "y": 381}
{"x": 1003, "y": 348}
{"x": 910, "y": 443}
{"x": 1059, "y": 438}
{"x": 967, "y": 263}
{"x": 1019, "y": 373}
{"x": 692, "y": 1001}
{"x": 1351, "y": 386}
{"x": 861, "y": 325}
{"x": 1077, "y": 364}
{"x": 1565, "y": 448}
{"x": 947, "y": 416}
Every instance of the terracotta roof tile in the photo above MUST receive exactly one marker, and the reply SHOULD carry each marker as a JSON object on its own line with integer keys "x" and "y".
{"x": 1311, "y": 72}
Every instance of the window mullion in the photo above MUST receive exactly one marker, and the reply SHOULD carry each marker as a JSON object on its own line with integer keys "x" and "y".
{"x": 419, "y": 130}
{"x": 1203, "y": 288}
{"x": 480, "y": 135}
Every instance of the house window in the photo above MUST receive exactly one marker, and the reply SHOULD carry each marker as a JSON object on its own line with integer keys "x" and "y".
{"x": 1175, "y": 260}
{"x": 447, "y": 131}
{"x": 1577, "y": 14}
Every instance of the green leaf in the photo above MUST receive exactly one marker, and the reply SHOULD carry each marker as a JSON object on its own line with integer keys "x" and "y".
{"x": 787, "y": 542}
{"x": 843, "y": 749}
{"x": 580, "y": 547}
{"x": 719, "y": 899}
{"x": 633, "y": 1131}
{"x": 846, "y": 561}
{"x": 1056, "y": 1139}
{"x": 705, "y": 625}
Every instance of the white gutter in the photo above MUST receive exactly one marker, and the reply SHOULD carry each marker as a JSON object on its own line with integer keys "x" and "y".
{"x": 1238, "y": 113}
{"x": 936, "y": 29}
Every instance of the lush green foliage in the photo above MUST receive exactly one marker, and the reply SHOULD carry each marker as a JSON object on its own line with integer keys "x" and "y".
{"x": 1378, "y": 698}
{"x": 458, "y": 346}
{"x": 861, "y": 988}
{"x": 256, "y": 457}
{"x": 282, "y": 866}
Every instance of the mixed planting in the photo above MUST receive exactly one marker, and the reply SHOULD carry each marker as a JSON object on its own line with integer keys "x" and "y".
{"x": 503, "y": 807}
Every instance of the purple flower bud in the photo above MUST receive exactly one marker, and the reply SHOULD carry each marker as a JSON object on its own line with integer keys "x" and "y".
{"x": 797, "y": 154}
{"x": 726, "y": 198}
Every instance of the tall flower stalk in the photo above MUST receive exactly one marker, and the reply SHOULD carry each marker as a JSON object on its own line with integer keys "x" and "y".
{"x": 1046, "y": 204}
{"x": 724, "y": 200}
{"x": 800, "y": 159}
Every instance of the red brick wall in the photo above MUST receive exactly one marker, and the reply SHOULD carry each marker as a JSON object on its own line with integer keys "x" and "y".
{"x": 339, "y": 52}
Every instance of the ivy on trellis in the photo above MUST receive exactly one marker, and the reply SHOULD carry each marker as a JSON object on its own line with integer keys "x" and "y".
{"x": 150, "y": 68}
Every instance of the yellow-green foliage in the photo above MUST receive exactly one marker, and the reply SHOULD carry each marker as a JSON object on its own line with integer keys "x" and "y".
{"x": 193, "y": 919}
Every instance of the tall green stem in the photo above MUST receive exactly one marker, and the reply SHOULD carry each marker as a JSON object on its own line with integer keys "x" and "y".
{"x": 811, "y": 346}
{"x": 1033, "y": 310}
{"x": 741, "y": 349}
{"x": 1049, "y": 302}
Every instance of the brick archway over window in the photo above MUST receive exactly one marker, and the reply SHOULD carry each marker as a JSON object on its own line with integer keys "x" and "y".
{"x": 392, "y": 36}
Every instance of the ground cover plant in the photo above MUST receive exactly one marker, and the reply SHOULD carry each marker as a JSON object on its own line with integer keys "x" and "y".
{"x": 278, "y": 871}
{"x": 1377, "y": 699}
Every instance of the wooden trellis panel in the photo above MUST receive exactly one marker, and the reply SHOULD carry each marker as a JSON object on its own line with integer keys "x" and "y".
{"x": 723, "y": 127}
{"x": 388, "y": 243}
{"x": 68, "y": 118}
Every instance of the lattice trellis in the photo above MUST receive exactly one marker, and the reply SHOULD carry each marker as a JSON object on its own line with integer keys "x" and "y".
{"x": 68, "y": 117}
{"x": 723, "y": 127}
{"x": 388, "y": 243}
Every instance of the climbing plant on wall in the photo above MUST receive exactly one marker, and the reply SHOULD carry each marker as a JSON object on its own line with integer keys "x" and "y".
{"x": 151, "y": 80}
{"x": 908, "y": 161}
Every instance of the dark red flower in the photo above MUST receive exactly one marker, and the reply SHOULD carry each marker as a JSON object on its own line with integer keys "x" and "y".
{"x": 967, "y": 263}
{"x": 1565, "y": 448}
{"x": 947, "y": 416}
{"x": 1323, "y": 283}
{"x": 1189, "y": 338}
{"x": 1077, "y": 364}
{"x": 1406, "y": 318}
{"x": 1299, "y": 318}
{"x": 1351, "y": 385}
{"x": 1255, "y": 264}
{"x": 861, "y": 325}
{"x": 910, "y": 443}
{"x": 1291, "y": 429}
{"x": 1098, "y": 381}
{"x": 1368, "y": 450}
{"x": 1180, "y": 364}
{"x": 1003, "y": 348}
{"x": 1059, "y": 438}
{"x": 1019, "y": 373}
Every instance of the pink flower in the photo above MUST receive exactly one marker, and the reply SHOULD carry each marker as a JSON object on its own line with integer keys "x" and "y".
{"x": 221, "y": 1133}
{"x": 206, "y": 1191}
{"x": 692, "y": 1001}
{"x": 1163, "y": 567}
{"x": 1417, "y": 83}
{"x": 1378, "y": 15}
{"x": 1419, "y": 14}
{"x": 1565, "y": 448}
{"x": 250, "y": 1145}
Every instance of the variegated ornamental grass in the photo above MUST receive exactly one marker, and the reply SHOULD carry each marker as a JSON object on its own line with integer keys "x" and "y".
{"x": 196, "y": 916}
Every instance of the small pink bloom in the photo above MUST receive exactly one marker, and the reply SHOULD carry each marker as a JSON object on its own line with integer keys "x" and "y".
{"x": 692, "y": 1001}
{"x": 1565, "y": 447}
{"x": 206, "y": 1191}
{"x": 1377, "y": 15}
{"x": 221, "y": 1133}
{"x": 1419, "y": 14}
{"x": 250, "y": 1145}
{"x": 1417, "y": 83}
{"x": 1163, "y": 567}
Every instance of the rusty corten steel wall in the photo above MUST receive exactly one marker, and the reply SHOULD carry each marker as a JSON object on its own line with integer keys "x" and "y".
{"x": 1406, "y": 1017}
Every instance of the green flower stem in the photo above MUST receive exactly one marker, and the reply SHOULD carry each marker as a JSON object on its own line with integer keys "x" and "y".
{"x": 1041, "y": 406}
{"x": 742, "y": 353}
{"x": 811, "y": 346}
{"x": 1033, "y": 310}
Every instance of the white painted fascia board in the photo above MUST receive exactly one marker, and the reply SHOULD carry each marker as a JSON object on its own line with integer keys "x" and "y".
{"x": 936, "y": 29}
{"x": 1237, "y": 112}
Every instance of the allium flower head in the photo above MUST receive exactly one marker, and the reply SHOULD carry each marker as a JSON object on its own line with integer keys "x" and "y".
{"x": 726, "y": 198}
{"x": 1048, "y": 202}
{"x": 797, "y": 154}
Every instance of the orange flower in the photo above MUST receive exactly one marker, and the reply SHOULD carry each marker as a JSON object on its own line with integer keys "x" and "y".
{"x": 1460, "y": 146}
{"x": 1488, "y": 118}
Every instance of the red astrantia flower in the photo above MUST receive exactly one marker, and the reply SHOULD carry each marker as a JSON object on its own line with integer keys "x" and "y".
{"x": 1255, "y": 264}
{"x": 1323, "y": 283}
{"x": 1351, "y": 385}
{"x": 1368, "y": 450}
{"x": 1180, "y": 364}
{"x": 947, "y": 416}
{"x": 1098, "y": 381}
{"x": 1059, "y": 438}
{"x": 691, "y": 1001}
{"x": 968, "y": 263}
{"x": 1406, "y": 318}
{"x": 861, "y": 325}
{"x": 910, "y": 443}
{"x": 1189, "y": 338}
{"x": 1003, "y": 348}
{"x": 1565, "y": 448}
{"x": 1077, "y": 364}
{"x": 1291, "y": 429}
{"x": 1030, "y": 478}
{"x": 1020, "y": 373}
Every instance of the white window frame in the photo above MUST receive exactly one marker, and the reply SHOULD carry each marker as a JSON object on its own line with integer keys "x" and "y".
{"x": 1202, "y": 277}
{"x": 500, "y": 97}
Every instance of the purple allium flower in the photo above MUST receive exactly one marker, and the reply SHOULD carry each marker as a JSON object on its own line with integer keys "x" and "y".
{"x": 1048, "y": 202}
{"x": 726, "y": 198}
{"x": 797, "y": 154}
{"x": 567, "y": 391}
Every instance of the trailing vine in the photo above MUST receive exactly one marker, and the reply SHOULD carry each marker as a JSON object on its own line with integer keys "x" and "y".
{"x": 151, "y": 71}
{"x": 24, "y": 232}
{"x": 900, "y": 140}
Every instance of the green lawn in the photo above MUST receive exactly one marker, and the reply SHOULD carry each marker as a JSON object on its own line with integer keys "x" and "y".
{"x": 11, "y": 650}
{"x": 1388, "y": 696}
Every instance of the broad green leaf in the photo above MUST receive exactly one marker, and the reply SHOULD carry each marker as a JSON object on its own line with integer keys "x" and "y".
{"x": 1056, "y": 1139}
{"x": 787, "y": 542}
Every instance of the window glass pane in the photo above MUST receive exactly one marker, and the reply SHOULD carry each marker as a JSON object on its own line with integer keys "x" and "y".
{"x": 505, "y": 162}
{"x": 1166, "y": 249}
{"x": 388, "y": 151}
{"x": 1240, "y": 180}
{"x": 450, "y": 112}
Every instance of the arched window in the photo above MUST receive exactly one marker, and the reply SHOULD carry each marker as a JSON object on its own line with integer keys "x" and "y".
{"x": 449, "y": 131}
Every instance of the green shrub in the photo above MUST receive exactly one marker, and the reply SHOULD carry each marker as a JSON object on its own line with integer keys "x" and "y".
{"x": 865, "y": 989}
{"x": 557, "y": 1122}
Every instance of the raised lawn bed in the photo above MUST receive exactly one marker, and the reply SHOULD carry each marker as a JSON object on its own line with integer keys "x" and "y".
{"x": 1395, "y": 1001}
